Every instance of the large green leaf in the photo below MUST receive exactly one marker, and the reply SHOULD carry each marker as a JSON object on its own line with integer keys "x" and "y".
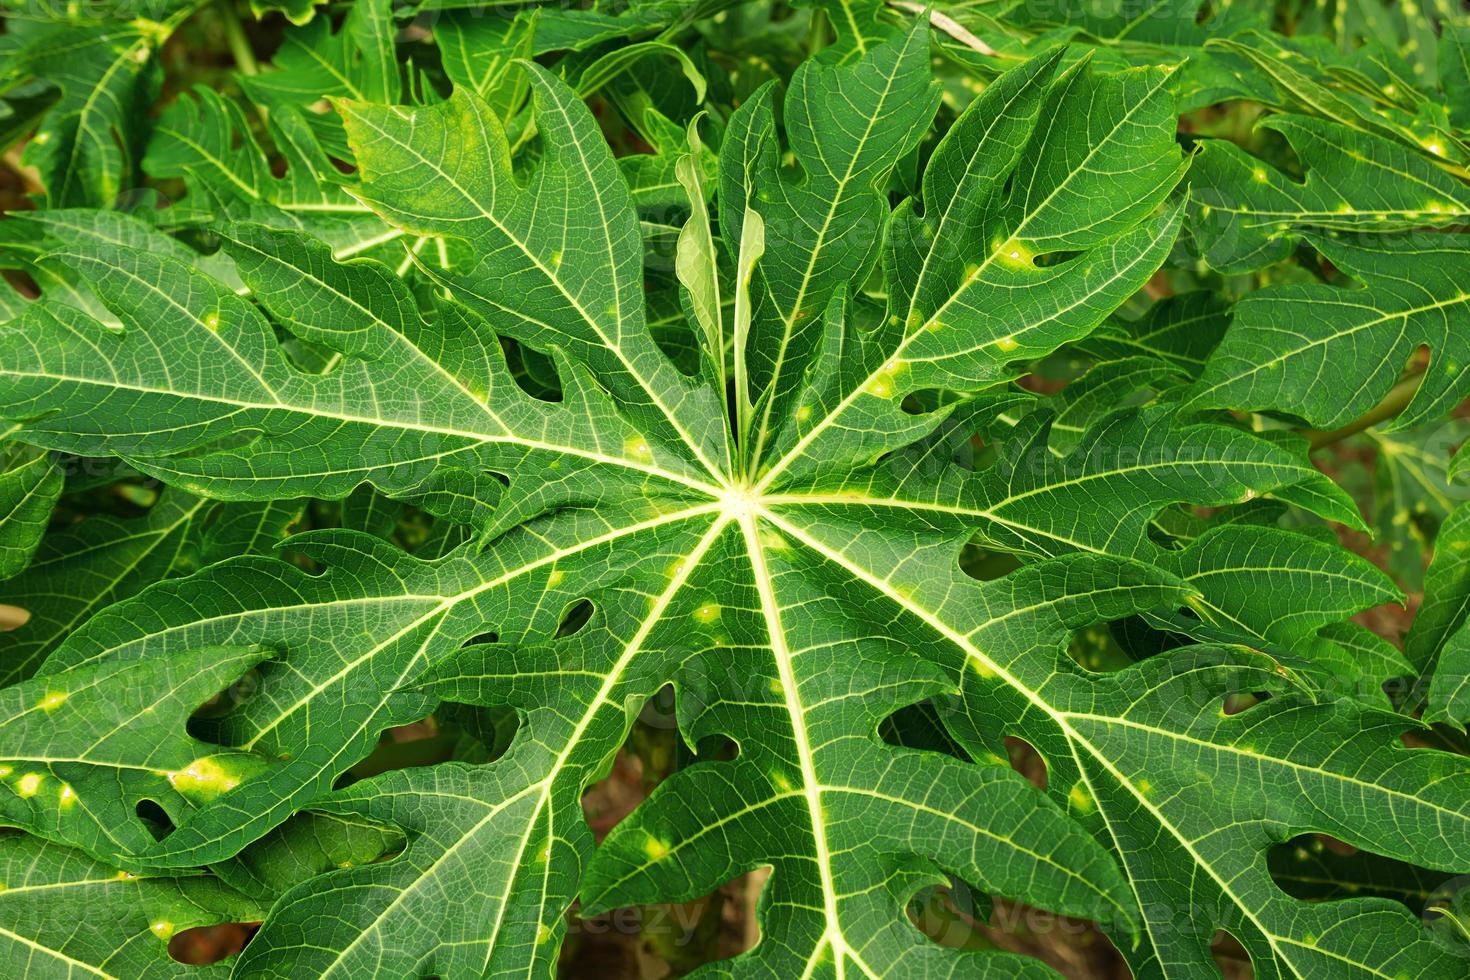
{"x": 1329, "y": 353}
{"x": 782, "y": 535}
{"x": 88, "y": 144}
{"x": 1439, "y": 643}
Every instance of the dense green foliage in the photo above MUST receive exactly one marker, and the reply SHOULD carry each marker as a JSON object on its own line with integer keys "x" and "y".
{"x": 890, "y": 383}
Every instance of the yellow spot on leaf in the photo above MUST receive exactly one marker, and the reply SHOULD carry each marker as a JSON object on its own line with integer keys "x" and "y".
{"x": 28, "y": 785}
{"x": 204, "y": 777}
{"x": 707, "y": 613}
{"x": 52, "y": 701}
{"x": 1016, "y": 255}
{"x": 655, "y": 848}
{"x": 885, "y": 382}
{"x": 1080, "y": 799}
{"x": 771, "y": 541}
{"x": 982, "y": 668}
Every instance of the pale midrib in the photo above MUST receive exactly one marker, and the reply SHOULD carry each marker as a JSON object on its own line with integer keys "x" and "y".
{"x": 857, "y": 390}
{"x": 788, "y": 319}
{"x": 812, "y": 786}
{"x": 535, "y": 260}
{"x": 314, "y": 412}
{"x": 544, "y": 785}
{"x": 1059, "y": 718}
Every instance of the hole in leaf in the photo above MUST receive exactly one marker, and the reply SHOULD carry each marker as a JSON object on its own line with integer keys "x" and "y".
{"x": 1024, "y": 758}
{"x": 209, "y": 721}
{"x": 203, "y": 945}
{"x": 1231, "y": 957}
{"x": 155, "y": 818}
{"x": 1137, "y": 639}
{"x": 1239, "y": 702}
{"x": 1048, "y": 259}
{"x": 987, "y": 566}
{"x": 534, "y": 372}
{"x": 491, "y": 729}
{"x": 575, "y": 618}
{"x": 21, "y": 282}
{"x": 683, "y": 936}
{"x": 918, "y": 726}
{"x": 420, "y": 743}
{"x": 1318, "y": 868}
{"x": 952, "y": 915}
{"x": 1096, "y": 648}
{"x": 960, "y": 917}
{"x": 13, "y": 617}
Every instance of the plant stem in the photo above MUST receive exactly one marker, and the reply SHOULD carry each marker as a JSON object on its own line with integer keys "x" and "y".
{"x": 1393, "y": 403}
{"x": 235, "y": 37}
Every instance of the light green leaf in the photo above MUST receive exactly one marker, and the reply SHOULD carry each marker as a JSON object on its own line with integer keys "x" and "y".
{"x": 75, "y": 752}
{"x": 88, "y": 144}
{"x": 849, "y": 117}
{"x": 1436, "y": 644}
